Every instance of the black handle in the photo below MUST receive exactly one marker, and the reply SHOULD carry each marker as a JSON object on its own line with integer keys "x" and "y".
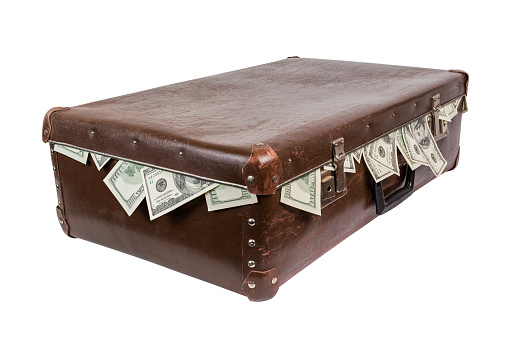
{"x": 383, "y": 204}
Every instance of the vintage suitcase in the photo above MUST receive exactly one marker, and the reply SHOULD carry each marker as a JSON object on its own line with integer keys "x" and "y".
{"x": 262, "y": 129}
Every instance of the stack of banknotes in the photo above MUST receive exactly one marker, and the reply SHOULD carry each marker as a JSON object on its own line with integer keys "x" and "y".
{"x": 165, "y": 191}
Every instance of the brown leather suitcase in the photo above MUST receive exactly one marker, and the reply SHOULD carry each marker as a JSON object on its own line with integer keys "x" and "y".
{"x": 258, "y": 128}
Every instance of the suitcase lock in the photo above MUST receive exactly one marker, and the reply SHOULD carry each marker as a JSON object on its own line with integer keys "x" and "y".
{"x": 438, "y": 127}
{"x": 333, "y": 178}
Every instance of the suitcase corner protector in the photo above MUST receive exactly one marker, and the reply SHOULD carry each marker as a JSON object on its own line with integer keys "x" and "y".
{"x": 63, "y": 223}
{"x": 262, "y": 171}
{"x": 261, "y": 285}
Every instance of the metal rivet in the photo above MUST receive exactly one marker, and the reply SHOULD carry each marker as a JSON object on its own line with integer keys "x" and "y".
{"x": 57, "y": 186}
{"x": 251, "y": 222}
{"x": 274, "y": 180}
{"x": 250, "y": 179}
{"x": 274, "y": 280}
{"x": 393, "y": 115}
{"x": 251, "y": 284}
{"x": 367, "y": 126}
{"x": 51, "y": 151}
{"x": 459, "y": 85}
{"x": 54, "y": 169}
{"x": 289, "y": 160}
{"x": 259, "y": 144}
{"x": 59, "y": 203}
{"x": 61, "y": 221}
{"x": 92, "y": 132}
{"x": 415, "y": 105}
{"x": 134, "y": 141}
{"x": 180, "y": 153}
{"x": 251, "y": 263}
{"x": 46, "y": 132}
{"x": 251, "y": 243}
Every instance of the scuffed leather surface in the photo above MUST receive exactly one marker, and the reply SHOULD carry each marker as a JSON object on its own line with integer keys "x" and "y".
{"x": 264, "y": 166}
{"x": 264, "y": 288}
{"x": 298, "y": 106}
{"x": 289, "y": 239}
{"x": 190, "y": 240}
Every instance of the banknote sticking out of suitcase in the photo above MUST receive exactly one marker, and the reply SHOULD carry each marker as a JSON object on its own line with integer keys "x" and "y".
{"x": 243, "y": 179}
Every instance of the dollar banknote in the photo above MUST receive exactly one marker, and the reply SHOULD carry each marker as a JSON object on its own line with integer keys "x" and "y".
{"x": 304, "y": 193}
{"x": 99, "y": 160}
{"x": 403, "y": 150}
{"x": 125, "y": 182}
{"x": 165, "y": 191}
{"x": 425, "y": 141}
{"x": 349, "y": 163}
{"x": 224, "y": 196}
{"x": 357, "y": 154}
{"x": 414, "y": 151}
{"x": 384, "y": 151}
{"x": 449, "y": 110}
{"x": 71, "y": 152}
{"x": 378, "y": 171}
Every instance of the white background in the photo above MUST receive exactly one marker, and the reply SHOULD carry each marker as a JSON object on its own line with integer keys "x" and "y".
{"x": 436, "y": 267}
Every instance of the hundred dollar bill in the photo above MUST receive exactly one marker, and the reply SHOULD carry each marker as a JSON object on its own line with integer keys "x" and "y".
{"x": 426, "y": 142}
{"x": 304, "y": 193}
{"x": 414, "y": 151}
{"x": 99, "y": 160}
{"x": 403, "y": 150}
{"x": 224, "y": 196}
{"x": 349, "y": 163}
{"x": 357, "y": 154}
{"x": 378, "y": 171}
{"x": 72, "y": 153}
{"x": 383, "y": 150}
{"x": 165, "y": 191}
{"x": 124, "y": 181}
{"x": 449, "y": 110}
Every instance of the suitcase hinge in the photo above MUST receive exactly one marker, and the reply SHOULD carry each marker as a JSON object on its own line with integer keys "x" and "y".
{"x": 438, "y": 126}
{"x": 333, "y": 178}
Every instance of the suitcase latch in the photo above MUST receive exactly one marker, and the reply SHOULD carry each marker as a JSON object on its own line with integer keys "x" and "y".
{"x": 333, "y": 176}
{"x": 437, "y": 126}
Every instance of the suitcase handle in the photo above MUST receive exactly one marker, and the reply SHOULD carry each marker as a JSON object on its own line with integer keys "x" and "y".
{"x": 384, "y": 204}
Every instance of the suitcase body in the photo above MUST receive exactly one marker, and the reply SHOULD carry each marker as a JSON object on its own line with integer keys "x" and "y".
{"x": 258, "y": 128}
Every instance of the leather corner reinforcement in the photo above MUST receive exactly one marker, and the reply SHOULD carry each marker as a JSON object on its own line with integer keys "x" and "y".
{"x": 46, "y": 124}
{"x": 261, "y": 286}
{"x": 262, "y": 172}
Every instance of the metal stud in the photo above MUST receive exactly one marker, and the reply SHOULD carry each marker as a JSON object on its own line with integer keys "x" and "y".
{"x": 415, "y": 105}
{"x": 251, "y": 222}
{"x": 289, "y": 160}
{"x": 59, "y": 203}
{"x": 181, "y": 153}
{"x": 393, "y": 115}
{"x": 57, "y": 186}
{"x": 46, "y": 132}
{"x": 92, "y": 132}
{"x": 250, "y": 179}
{"x": 54, "y": 169}
{"x": 251, "y": 284}
{"x": 274, "y": 280}
{"x": 51, "y": 151}
{"x": 251, "y": 242}
{"x": 274, "y": 180}
{"x": 251, "y": 263}
{"x": 61, "y": 221}
{"x": 367, "y": 126}
{"x": 260, "y": 144}
{"x": 134, "y": 141}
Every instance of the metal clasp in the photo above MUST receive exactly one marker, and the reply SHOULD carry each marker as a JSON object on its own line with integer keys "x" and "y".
{"x": 333, "y": 178}
{"x": 438, "y": 126}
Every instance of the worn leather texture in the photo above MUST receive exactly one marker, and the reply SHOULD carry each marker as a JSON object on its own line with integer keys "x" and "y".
{"x": 214, "y": 246}
{"x": 207, "y": 126}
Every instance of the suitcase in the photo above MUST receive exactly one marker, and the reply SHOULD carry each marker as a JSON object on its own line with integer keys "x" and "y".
{"x": 259, "y": 129}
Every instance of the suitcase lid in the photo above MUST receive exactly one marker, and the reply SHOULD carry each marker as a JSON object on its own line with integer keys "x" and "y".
{"x": 292, "y": 109}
